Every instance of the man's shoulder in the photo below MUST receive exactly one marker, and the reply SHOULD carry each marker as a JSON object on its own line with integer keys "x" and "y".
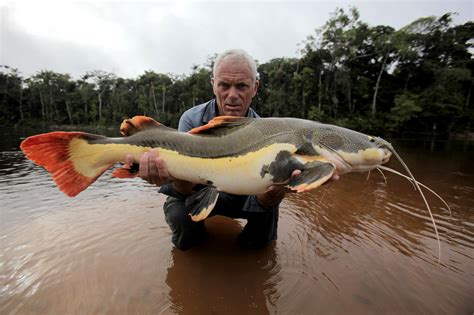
{"x": 196, "y": 109}
{"x": 195, "y": 117}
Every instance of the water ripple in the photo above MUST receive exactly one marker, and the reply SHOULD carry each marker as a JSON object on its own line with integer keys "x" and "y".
{"x": 369, "y": 245}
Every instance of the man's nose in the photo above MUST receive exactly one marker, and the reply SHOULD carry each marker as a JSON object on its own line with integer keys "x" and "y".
{"x": 233, "y": 92}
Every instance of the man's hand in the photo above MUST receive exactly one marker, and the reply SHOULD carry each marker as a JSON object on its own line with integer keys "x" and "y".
{"x": 275, "y": 193}
{"x": 153, "y": 170}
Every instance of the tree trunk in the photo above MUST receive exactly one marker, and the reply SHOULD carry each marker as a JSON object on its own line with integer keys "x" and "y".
{"x": 51, "y": 109}
{"x": 50, "y": 105}
{"x": 22, "y": 117}
{"x": 163, "y": 99}
{"x": 468, "y": 98}
{"x": 406, "y": 82}
{"x": 320, "y": 91}
{"x": 58, "y": 118}
{"x": 100, "y": 105}
{"x": 155, "y": 106}
{"x": 86, "y": 114}
{"x": 304, "y": 111}
{"x": 349, "y": 97}
{"x": 42, "y": 105}
{"x": 84, "y": 99}
{"x": 68, "y": 109}
{"x": 377, "y": 85}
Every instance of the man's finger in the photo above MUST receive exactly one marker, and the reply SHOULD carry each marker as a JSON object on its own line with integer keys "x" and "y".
{"x": 128, "y": 159}
{"x": 154, "y": 175}
{"x": 143, "y": 170}
{"x": 162, "y": 170}
{"x": 295, "y": 173}
{"x": 153, "y": 154}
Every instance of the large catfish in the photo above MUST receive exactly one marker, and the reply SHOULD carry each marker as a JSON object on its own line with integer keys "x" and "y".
{"x": 230, "y": 154}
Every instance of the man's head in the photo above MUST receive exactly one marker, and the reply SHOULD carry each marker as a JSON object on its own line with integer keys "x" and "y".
{"x": 234, "y": 82}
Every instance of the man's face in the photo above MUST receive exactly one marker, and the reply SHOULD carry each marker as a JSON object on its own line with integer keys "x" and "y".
{"x": 234, "y": 87}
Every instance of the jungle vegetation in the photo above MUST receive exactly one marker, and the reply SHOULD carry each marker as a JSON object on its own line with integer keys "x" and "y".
{"x": 418, "y": 79}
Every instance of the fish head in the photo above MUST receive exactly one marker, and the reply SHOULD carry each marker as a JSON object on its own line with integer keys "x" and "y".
{"x": 349, "y": 150}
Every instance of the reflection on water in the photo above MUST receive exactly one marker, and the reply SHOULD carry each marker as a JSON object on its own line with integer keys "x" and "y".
{"x": 355, "y": 246}
{"x": 220, "y": 277}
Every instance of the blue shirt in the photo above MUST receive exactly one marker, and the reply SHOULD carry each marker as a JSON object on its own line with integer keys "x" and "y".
{"x": 200, "y": 115}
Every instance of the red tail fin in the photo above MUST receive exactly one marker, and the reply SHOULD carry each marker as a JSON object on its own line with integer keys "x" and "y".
{"x": 52, "y": 151}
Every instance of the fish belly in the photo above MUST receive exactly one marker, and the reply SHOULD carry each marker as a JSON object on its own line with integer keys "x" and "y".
{"x": 240, "y": 174}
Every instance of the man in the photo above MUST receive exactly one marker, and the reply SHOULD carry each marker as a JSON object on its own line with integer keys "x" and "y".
{"x": 235, "y": 83}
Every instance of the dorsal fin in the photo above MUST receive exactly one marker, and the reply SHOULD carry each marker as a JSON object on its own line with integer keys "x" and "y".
{"x": 220, "y": 124}
{"x": 136, "y": 124}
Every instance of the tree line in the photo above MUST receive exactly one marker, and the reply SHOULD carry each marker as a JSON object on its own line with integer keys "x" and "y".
{"x": 417, "y": 79}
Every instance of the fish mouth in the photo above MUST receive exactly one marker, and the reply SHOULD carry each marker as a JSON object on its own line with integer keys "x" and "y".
{"x": 387, "y": 154}
{"x": 342, "y": 166}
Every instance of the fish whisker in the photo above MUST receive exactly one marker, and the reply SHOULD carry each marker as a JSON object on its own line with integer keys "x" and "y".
{"x": 415, "y": 182}
{"x": 419, "y": 183}
{"x": 383, "y": 175}
{"x": 328, "y": 185}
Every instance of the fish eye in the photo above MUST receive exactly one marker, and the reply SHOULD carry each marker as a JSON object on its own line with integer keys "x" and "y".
{"x": 371, "y": 139}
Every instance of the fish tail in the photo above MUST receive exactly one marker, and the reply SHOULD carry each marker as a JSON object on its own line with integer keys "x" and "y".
{"x": 63, "y": 155}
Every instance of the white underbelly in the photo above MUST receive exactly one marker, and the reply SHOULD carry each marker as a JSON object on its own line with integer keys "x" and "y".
{"x": 240, "y": 175}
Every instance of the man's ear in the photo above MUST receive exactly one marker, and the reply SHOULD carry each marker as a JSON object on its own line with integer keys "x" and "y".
{"x": 212, "y": 83}
{"x": 257, "y": 83}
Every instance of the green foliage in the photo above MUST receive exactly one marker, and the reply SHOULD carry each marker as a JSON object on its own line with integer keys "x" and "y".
{"x": 406, "y": 108}
{"x": 370, "y": 78}
{"x": 316, "y": 114}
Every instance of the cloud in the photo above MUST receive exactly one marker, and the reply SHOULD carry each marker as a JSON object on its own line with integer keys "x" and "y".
{"x": 127, "y": 38}
{"x": 31, "y": 50}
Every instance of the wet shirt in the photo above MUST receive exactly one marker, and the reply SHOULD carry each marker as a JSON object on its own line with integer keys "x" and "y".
{"x": 200, "y": 115}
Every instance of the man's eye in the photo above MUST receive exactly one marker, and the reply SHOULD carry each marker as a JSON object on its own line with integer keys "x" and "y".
{"x": 224, "y": 86}
{"x": 242, "y": 86}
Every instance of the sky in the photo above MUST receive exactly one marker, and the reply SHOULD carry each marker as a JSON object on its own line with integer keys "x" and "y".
{"x": 128, "y": 37}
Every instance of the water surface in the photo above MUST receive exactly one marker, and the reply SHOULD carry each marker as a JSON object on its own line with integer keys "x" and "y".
{"x": 355, "y": 246}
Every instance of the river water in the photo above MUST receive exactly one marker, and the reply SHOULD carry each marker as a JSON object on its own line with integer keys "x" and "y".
{"x": 356, "y": 246}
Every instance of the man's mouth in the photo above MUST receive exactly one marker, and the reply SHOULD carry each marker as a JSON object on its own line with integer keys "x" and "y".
{"x": 233, "y": 107}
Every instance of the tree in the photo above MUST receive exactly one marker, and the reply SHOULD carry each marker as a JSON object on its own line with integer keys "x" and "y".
{"x": 104, "y": 85}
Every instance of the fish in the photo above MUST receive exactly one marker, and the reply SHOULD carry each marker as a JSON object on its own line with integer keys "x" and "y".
{"x": 236, "y": 155}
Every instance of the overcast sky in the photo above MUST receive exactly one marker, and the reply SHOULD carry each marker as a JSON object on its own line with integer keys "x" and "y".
{"x": 127, "y": 38}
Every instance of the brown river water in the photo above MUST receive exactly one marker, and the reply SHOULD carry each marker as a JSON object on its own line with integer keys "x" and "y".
{"x": 356, "y": 246}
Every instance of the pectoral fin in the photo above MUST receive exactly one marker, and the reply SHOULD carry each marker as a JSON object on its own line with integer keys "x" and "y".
{"x": 314, "y": 175}
{"x": 200, "y": 204}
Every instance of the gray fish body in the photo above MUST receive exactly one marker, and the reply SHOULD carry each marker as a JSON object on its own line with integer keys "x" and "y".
{"x": 294, "y": 144}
